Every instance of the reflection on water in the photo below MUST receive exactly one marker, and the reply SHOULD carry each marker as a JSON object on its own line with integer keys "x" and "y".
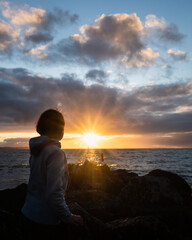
{"x": 92, "y": 155}
{"x": 14, "y": 167}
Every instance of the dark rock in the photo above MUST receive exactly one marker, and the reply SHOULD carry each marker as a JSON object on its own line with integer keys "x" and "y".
{"x": 9, "y": 226}
{"x": 12, "y": 200}
{"x": 87, "y": 176}
{"x": 98, "y": 203}
{"x": 176, "y": 183}
{"x": 90, "y": 176}
{"x": 93, "y": 227}
{"x": 142, "y": 227}
{"x": 158, "y": 187}
{"x": 115, "y": 204}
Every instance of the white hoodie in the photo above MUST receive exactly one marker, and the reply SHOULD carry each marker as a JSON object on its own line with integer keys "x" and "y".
{"x": 45, "y": 199}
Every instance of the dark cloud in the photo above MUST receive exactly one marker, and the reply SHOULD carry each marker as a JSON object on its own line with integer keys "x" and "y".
{"x": 170, "y": 33}
{"x": 167, "y": 32}
{"x": 96, "y": 75}
{"x": 164, "y": 90}
{"x": 15, "y": 142}
{"x": 175, "y": 140}
{"x": 39, "y": 37}
{"x": 167, "y": 123}
{"x": 118, "y": 37}
{"x": 178, "y": 55}
{"x": 87, "y": 52}
{"x": 7, "y": 37}
{"x": 48, "y": 23}
{"x": 57, "y": 17}
{"x": 35, "y": 24}
{"x": 157, "y": 109}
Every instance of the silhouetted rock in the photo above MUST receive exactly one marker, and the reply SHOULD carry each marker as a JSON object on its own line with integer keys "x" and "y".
{"x": 12, "y": 200}
{"x": 90, "y": 176}
{"x": 98, "y": 203}
{"x": 176, "y": 184}
{"x": 115, "y": 204}
{"x": 157, "y": 187}
{"x": 142, "y": 227}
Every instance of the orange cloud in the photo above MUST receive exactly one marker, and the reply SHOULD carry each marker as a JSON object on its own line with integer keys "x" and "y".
{"x": 151, "y": 21}
{"x": 18, "y": 16}
{"x": 7, "y": 35}
{"x": 177, "y": 54}
{"x": 39, "y": 51}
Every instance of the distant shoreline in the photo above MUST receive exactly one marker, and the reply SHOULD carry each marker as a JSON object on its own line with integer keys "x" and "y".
{"x": 101, "y": 148}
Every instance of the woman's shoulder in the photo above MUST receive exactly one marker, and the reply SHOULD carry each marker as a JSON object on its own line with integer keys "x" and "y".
{"x": 53, "y": 150}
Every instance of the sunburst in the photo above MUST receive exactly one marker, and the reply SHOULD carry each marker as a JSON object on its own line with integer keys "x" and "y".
{"x": 91, "y": 139}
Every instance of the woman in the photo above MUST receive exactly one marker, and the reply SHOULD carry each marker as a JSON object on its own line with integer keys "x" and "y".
{"x": 45, "y": 209}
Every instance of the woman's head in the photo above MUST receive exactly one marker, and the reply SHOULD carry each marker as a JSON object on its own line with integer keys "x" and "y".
{"x": 51, "y": 123}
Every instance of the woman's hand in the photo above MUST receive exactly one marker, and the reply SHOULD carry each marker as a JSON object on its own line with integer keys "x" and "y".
{"x": 77, "y": 220}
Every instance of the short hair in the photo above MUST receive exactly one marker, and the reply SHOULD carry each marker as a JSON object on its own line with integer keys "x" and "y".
{"x": 51, "y": 123}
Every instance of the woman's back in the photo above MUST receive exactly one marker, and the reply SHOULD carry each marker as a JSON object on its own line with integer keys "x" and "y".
{"x": 48, "y": 170}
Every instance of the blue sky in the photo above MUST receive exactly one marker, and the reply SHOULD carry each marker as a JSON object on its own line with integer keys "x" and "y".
{"x": 178, "y": 13}
{"x": 135, "y": 55}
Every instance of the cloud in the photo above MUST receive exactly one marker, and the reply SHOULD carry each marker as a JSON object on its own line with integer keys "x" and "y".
{"x": 168, "y": 32}
{"x": 151, "y": 21}
{"x": 39, "y": 51}
{"x": 96, "y": 75}
{"x": 22, "y": 16}
{"x": 117, "y": 37}
{"x": 39, "y": 37}
{"x": 57, "y": 17}
{"x": 144, "y": 58}
{"x": 171, "y": 33}
{"x": 151, "y": 109}
{"x": 36, "y": 25}
{"x": 176, "y": 140}
{"x": 177, "y": 54}
{"x": 158, "y": 91}
{"x": 15, "y": 142}
{"x": 42, "y": 31}
{"x": 7, "y": 36}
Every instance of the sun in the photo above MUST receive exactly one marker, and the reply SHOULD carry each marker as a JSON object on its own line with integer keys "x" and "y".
{"x": 90, "y": 139}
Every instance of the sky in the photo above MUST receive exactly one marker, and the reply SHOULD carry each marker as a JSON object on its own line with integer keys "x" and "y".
{"x": 119, "y": 69}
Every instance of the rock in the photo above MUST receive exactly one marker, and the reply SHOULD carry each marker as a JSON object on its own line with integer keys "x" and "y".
{"x": 158, "y": 187}
{"x": 12, "y": 200}
{"x": 142, "y": 227}
{"x": 176, "y": 183}
{"x": 87, "y": 176}
{"x": 115, "y": 204}
{"x": 90, "y": 176}
{"x": 93, "y": 227}
{"x": 98, "y": 203}
{"x": 9, "y": 226}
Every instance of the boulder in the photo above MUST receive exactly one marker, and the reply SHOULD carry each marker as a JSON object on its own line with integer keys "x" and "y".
{"x": 98, "y": 203}
{"x": 12, "y": 200}
{"x": 91, "y": 176}
{"x": 142, "y": 227}
{"x": 115, "y": 204}
{"x": 158, "y": 187}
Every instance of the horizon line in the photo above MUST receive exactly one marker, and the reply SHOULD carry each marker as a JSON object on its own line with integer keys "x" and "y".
{"x": 104, "y": 148}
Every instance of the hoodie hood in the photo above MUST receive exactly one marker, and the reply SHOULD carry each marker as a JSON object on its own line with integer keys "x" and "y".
{"x": 36, "y": 144}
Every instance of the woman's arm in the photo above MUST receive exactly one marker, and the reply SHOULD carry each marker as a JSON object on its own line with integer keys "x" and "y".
{"x": 55, "y": 186}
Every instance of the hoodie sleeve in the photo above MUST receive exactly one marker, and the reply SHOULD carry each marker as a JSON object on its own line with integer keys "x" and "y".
{"x": 56, "y": 184}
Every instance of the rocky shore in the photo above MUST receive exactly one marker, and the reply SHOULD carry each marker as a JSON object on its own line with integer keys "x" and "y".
{"x": 115, "y": 204}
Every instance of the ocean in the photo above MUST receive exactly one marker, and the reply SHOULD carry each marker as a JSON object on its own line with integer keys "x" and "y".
{"x": 14, "y": 166}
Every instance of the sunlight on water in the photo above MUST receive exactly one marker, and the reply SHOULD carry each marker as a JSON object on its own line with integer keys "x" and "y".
{"x": 14, "y": 166}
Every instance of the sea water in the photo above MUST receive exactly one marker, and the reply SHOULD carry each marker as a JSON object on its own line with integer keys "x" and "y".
{"x": 14, "y": 163}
